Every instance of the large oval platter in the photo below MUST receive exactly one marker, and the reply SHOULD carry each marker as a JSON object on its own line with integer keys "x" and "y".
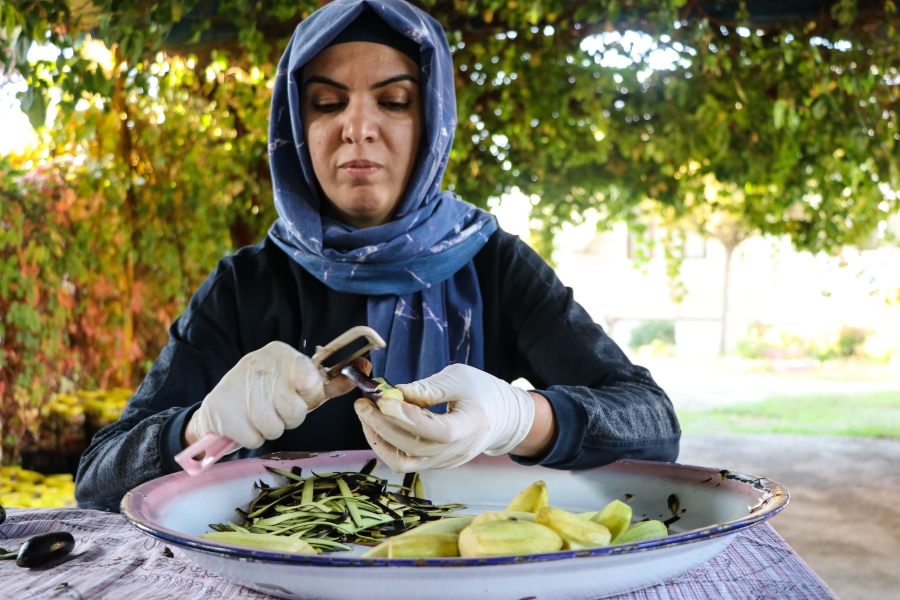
{"x": 712, "y": 505}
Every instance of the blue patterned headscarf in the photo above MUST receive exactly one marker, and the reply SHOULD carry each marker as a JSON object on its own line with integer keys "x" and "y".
{"x": 417, "y": 269}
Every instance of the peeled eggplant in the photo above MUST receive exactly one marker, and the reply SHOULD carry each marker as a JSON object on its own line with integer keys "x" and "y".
{"x": 44, "y": 548}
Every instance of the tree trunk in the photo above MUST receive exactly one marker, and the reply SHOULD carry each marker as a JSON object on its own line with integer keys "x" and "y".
{"x": 730, "y": 245}
{"x": 130, "y": 211}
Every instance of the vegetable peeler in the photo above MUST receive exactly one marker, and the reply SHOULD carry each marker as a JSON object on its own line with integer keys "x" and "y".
{"x": 216, "y": 446}
{"x": 372, "y": 388}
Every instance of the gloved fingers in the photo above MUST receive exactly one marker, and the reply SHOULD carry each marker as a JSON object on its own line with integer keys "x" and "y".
{"x": 461, "y": 422}
{"x": 198, "y": 435}
{"x": 302, "y": 377}
{"x": 291, "y": 409}
{"x": 238, "y": 429}
{"x": 265, "y": 419}
{"x": 454, "y": 382}
{"x": 245, "y": 435}
{"x": 341, "y": 385}
{"x": 208, "y": 419}
{"x": 425, "y": 392}
{"x": 401, "y": 462}
{"x": 392, "y": 433}
{"x": 259, "y": 405}
{"x": 397, "y": 460}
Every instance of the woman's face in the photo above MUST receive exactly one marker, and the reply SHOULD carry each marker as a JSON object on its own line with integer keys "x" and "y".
{"x": 362, "y": 118}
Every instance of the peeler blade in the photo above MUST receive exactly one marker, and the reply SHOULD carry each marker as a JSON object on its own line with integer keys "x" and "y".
{"x": 368, "y": 385}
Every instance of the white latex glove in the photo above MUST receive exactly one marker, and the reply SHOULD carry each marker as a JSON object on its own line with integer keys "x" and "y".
{"x": 268, "y": 391}
{"x": 485, "y": 414}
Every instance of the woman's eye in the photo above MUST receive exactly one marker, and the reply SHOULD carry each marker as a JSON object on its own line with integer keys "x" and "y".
{"x": 327, "y": 107}
{"x": 397, "y": 106}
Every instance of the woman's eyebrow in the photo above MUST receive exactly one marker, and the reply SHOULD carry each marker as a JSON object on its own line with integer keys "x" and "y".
{"x": 395, "y": 79}
{"x": 341, "y": 86}
{"x": 326, "y": 81}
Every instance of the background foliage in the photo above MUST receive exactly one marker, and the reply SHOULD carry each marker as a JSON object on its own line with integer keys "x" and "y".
{"x": 153, "y": 160}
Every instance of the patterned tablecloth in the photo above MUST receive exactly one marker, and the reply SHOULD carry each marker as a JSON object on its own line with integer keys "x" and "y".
{"x": 112, "y": 559}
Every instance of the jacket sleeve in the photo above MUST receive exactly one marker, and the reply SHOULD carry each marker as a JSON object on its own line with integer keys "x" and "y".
{"x": 140, "y": 446}
{"x": 606, "y": 408}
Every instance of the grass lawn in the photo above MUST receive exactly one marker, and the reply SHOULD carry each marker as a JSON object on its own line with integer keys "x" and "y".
{"x": 868, "y": 415}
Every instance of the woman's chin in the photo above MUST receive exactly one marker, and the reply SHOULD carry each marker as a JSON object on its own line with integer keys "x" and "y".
{"x": 365, "y": 217}
{"x": 366, "y": 210}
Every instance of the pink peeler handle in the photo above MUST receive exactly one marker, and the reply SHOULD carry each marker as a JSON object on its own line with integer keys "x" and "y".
{"x": 215, "y": 446}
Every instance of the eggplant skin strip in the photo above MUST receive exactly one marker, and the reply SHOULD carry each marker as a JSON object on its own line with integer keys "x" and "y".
{"x": 330, "y": 510}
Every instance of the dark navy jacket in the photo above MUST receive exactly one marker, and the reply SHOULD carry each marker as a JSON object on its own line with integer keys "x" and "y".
{"x": 606, "y": 408}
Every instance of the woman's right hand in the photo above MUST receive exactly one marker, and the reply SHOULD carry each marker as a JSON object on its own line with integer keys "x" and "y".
{"x": 268, "y": 391}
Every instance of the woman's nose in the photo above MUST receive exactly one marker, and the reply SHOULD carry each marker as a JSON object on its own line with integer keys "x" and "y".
{"x": 360, "y": 124}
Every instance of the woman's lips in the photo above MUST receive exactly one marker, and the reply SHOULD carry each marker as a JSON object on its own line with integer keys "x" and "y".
{"x": 360, "y": 168}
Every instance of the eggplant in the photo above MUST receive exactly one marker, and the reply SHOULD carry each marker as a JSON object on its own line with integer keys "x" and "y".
{"x": 44, "y": 548}
{"x": 2, "y": 514}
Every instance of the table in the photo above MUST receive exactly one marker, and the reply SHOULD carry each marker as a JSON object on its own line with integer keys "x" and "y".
{"x": 112, "y": 559}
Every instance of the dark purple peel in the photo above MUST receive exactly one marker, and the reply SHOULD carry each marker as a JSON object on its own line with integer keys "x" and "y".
{"x": 368, "y": 385}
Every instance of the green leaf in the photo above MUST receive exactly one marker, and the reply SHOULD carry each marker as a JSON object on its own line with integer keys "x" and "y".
{"x": 788, "y": 54}
{"x": 535, "y": 12}
{"x": 778, "y": 113}
{"x": 819, "y": 109}
{"x": 34, "y": 105}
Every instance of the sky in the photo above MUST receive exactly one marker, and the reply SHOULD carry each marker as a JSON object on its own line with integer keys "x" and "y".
{"x": 17, "y": 131}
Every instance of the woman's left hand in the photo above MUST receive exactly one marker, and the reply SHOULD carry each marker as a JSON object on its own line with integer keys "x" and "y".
{"x": 484, "y": 414}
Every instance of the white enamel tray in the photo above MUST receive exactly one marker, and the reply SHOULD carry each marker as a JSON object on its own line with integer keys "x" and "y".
{"x": 713, "y": 504}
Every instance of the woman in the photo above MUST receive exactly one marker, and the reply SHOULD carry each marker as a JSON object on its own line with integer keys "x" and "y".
{"x": 362, "y": 122}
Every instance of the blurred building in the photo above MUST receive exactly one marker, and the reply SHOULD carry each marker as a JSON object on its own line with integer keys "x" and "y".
{"x": 770, "y": 284}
